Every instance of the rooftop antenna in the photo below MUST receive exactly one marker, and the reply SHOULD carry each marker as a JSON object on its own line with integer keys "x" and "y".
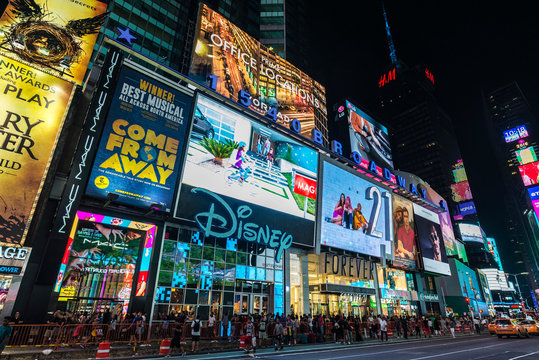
{"x": 392, "y": 51}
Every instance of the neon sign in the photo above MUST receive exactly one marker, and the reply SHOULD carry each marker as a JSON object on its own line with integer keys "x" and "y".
{"x": 429, "y": 75}
{"x": 386, "y": 78}
{"x": 515, "y": 134}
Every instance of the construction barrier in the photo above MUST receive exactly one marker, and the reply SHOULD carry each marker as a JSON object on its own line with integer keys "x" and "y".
{"x": 243, "y": 340}
{"x": 164, "y": 349}
{"x": 103, "y": 350}
{"x": 467, "y": 329}
{"x": 389, "y": 333}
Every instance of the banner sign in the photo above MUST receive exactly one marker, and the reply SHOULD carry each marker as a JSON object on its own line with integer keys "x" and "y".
{"x": 13, "y": 259}
{"x": 141, "y": 146}
{"x": 95, "y": 120}
{"x": 32, "y": 111}
{"x": 239, "y": 62}
{"x": 56, "y": 36}
{"x": 305, "y": 186}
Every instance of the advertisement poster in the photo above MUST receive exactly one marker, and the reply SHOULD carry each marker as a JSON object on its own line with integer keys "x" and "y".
{"x": 250, "y": 162}
{"x": 467, "y": 208}
{"x": 140, "y": 153}
{"x": 430, "y": 241}
{"x": 242, "y": 63}
{"x": 461, "y": 191}
{"x": 459, "y": 172}
{"x": 530, "y": 173}
{"x": 404, "y": 233}
{"x": 471, "y": 232}
{"x": 32, "y": 109}
{"x": 469, "y": 283}
{"x": 526, "y": 155}
{"x": 369, "y": 138}
{"x": 101, "y": 257}
{"x": 461, "y": 250}
{"x": 447, "y": 233}
{"x": 57, "y": 36}
{"x": 355, "y": 214}
{"x": 515, "y": 134}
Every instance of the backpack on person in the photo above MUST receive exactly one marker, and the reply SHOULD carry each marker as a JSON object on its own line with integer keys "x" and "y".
{"x": 196, "y": 328}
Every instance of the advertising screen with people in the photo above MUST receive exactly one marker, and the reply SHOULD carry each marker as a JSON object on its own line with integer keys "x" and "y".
{"x": 355, "y": 214}
{"x": 431, "y": 241}
{"x": 368, "y": 137}
{"x": 404, "y": 238}
{"x": 530, "y": 173}
{"x": 246, "y": 163}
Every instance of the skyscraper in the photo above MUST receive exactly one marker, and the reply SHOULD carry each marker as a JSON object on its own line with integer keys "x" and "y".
{"x": 513, "y": 133}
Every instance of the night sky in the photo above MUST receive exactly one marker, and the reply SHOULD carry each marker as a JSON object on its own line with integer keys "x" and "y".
{"x": 470, "y": 47}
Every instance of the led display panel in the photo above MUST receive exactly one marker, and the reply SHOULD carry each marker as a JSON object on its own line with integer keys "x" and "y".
{"x": 515, "y": 134}
{"x": 459, "y": 174}
{"x": 56, "y": 36}
{"x": 529, "y": 173}
{"x": 31, "y": 120}
{"x": 471, "y": 232}
{"x": 461, "y": 191}
{"x": 234, "y": 160}
{"x": 368, "y": 137}
{"x": 240, "y": 62}
{"x": 467, "y": 208}
{"x": 430, "y": 241}
{"x": 448, "y": 234}
{"x": 404, "y": 239}
{"x": 355, "y": 214}
{"x": 526, "y": 155}
{"x": 140, "y": 153}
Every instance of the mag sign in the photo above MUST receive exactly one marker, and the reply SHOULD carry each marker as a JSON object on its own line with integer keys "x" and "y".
{"x": 141, "y": 146}
{"x": 32, "y": 109}
{"x": 240, "y": 62}
{"x": 355, "y": 214}
{"x": 57, "y": 36}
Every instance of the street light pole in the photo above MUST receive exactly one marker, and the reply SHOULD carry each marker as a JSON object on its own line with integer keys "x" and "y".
{"x": 518, "y": 286}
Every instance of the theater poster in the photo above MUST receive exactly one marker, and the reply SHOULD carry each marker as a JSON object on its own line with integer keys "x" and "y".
{"x": 32, "y": 110}
{"x": 57, "y": 36}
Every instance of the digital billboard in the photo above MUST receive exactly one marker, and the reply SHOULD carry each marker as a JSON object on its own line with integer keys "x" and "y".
{"x": 461, "y": 250}
{"x": 404, "y": 239}
{"x": 140, "y": 153}
{"x": 368, "y": 137}
{"x": 355, "y": 214}
{"x": 447, "y": 234}
{"x": 529, "y": 173}
{"x": 459, "y": 174}
{"x": 491, "y": 245}
{"x": 469, "y": 283}
{"x": 526, "y": 155}
{"x": 430, "y": 241}
{"x": 32, "y": 111}
{"x": 515, "y": 134}
{"x": 467, "y": 208}
{"x": 245, "y": 162}
{"x": 101, "y": 257}
{"x": 461, "y": 191}
{"x": 470, "y": 232}
{"x": 241, "y": 63}
{"x": 57, "y": 36}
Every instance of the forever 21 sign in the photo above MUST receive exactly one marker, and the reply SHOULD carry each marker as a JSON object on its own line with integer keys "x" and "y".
{"x": 343, "y": 265}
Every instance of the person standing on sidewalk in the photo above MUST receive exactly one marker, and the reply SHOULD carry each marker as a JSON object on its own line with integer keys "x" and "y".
{"x": 211, "y": 328}
{"x": 195, "y": 333}
{"x": 452, "y": 325}
{"x": 383, "y": 328}
{"x": 177, "y": 337}
{"x": 404, "y": 325}
{"x": 477, "y": 326}
{"x": 398, "y": 326}
{"x": 5, "y": 333}
{"x": 278, "y": 334}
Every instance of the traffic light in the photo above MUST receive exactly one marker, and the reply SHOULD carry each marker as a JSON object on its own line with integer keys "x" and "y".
{"x": 468, "y": 300}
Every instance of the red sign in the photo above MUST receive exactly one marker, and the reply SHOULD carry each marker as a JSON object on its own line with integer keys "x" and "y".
{"x": 384, "y": 79}
{"x": 429, "y": 75}
{"x": 305, "y": 186}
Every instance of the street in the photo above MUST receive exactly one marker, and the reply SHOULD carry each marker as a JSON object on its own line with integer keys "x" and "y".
{"x": 478, "y": 347}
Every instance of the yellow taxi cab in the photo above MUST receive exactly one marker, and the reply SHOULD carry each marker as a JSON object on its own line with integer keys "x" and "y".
{"x": 531, "y": 326}
{"x": 510, "y": 327}
{"x": 492, "y": 327}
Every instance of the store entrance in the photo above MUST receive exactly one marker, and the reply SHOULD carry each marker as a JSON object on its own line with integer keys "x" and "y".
{"x": 93, "y": 306}
{"x": 245, "y": 304}
{"x": 343, "y": 304}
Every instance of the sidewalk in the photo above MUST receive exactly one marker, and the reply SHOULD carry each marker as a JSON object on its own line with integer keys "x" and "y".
{"x": 208, "y": 350}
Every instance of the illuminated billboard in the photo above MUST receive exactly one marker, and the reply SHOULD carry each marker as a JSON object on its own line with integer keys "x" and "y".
{"x": 368, "y": 137}
{"x": 529, "y": 173}
{"x": 459, "y": 172}
{"x": 57, "y": 36}
{"x": 461, "y": 191}
{"x": 430, "y": 241}
{"x": 461, "y": 250}
{"x": 526, "y": 155}
{"x": 101, "y": 257}
{"x": 467, "y": 208}
{"x": 493, "y": 248}
{"x": 247, "y": 164}
{"x": 140, "y": 153}
{"x": 32, "y": 113}
{"x": 515, "y": 134}
{"x": 404, "y": 238}
{"x": 448, "y": 234}
{"x": 241, "y": 63}
{"x": 471, "y": 232}
{"x": 355, "y": 213}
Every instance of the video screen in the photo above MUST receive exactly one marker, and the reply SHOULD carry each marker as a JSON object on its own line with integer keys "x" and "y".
{"x": 355, "y": 214}
{"x": 431, "y": 241}
{"x": 448, "y": 234}
{"x": 471, "y": 232}
{"x": 404, "y": 238}
{"x": 369, "y": 138}
{"x": 461, "y": 191}
{"x": 530, "y": 173}
{"x": 459, "y": 174}
{"x": 515, "y": 134}
{"x": 526, "y": 155}
{"x": 467, "y": 208}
